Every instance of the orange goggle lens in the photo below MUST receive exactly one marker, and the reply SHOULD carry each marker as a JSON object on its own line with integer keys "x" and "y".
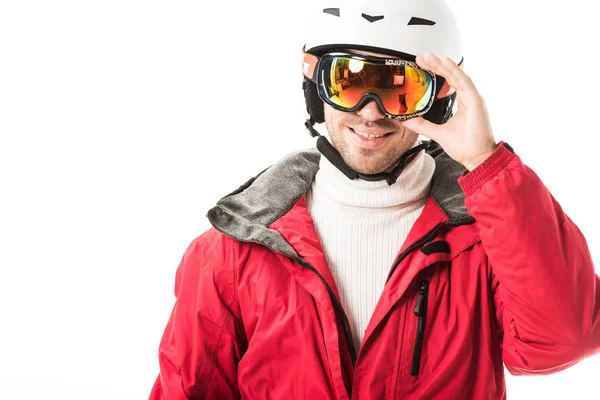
{"x": 401, "y": 86}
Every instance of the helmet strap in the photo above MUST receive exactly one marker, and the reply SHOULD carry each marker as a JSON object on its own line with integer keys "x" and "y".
{"x": 336, "y": 159}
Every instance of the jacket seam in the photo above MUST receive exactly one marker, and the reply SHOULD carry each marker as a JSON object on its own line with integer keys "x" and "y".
{"x": 234, "y": 271}
{"x": 232, "y": 268}
{"x": 228, "y": 315}
{"x": 214, "y": 351}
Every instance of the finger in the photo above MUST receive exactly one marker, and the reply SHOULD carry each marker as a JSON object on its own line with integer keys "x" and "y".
{"x": 467, "y": 93}
{"x": 459, "y": 102}
{"x": 455, "y": 76}
{"x": 422, "y": 63}
{"x": 444, "y": 69}
{"x": 422, "y": 127}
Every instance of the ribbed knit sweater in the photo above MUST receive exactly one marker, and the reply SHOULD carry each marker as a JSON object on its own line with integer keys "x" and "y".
{"x": 361, "y": 226}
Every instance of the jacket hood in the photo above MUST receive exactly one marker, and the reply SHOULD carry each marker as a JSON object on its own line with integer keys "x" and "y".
{"x": 246, "y": 213}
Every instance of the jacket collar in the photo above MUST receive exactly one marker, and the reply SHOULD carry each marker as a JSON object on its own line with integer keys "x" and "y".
{"x": 247, "y": 213}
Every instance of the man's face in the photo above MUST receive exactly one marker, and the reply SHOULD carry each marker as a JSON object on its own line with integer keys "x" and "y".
{"x": 368, "y": 156}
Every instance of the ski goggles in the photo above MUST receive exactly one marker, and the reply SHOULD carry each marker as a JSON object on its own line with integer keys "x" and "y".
{"x": 348, "y": 81}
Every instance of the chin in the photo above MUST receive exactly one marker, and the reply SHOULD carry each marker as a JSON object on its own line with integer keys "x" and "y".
{"x": 368, "y": 167}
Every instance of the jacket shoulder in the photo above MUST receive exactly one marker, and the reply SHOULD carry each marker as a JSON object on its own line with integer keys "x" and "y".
{"x": 213, "y": 247}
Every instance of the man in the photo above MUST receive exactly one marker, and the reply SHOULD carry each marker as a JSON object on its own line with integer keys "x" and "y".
{"x": 380, "y": 267}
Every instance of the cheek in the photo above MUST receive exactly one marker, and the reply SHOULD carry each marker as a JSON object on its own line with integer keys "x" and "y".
{"x": 332, "y": 120}
{"x": 329, "y": 114}
{"x": 336, "y": 118}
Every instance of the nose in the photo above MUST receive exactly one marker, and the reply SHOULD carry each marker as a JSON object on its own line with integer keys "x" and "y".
{"x": 371, "y": 112}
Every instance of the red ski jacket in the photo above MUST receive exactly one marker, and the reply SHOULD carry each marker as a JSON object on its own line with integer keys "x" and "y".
{"x": 492, "y": 272}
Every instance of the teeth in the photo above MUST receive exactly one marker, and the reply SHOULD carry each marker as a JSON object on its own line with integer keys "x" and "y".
{"x": 368, "y": 136}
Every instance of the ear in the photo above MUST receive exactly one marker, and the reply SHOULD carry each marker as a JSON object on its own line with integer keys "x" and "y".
{"x": 314, "y": 104}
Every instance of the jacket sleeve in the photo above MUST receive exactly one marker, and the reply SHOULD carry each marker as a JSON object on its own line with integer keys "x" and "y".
{"x": 545, "y": 291}
{"x": 202, "y": 343}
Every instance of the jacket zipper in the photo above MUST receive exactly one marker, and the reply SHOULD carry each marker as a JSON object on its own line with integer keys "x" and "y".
{"x": 339, "y": 311}
{"x": 338, "y": 307}
{"x": 421, "y": 312}
{"x": 419, "y": 243}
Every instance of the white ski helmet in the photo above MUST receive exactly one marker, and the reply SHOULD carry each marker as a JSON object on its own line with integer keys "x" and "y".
{"x": 405, "y": 28}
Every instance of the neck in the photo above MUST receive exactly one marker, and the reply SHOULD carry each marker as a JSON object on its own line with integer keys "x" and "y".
{"x": 412, "y": 185}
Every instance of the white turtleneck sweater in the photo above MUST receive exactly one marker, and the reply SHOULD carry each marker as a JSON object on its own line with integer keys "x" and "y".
{"x": 361, "y": 226}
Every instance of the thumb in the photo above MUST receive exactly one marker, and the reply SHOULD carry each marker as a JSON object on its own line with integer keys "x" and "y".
{"x": 422, "y": 127}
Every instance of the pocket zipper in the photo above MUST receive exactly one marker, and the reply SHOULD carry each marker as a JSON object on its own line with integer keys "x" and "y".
{"x": 421, "y": 312}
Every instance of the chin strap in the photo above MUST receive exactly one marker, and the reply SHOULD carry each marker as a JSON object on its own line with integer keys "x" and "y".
{"x": 336, "y": 159}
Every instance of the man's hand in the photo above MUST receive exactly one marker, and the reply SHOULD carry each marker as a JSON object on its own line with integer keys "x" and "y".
{"x": 467, "y": 137}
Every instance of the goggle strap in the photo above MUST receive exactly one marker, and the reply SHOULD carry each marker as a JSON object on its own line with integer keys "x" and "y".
{"x": 309, "y": 64}
{"x": 441, "y": 110}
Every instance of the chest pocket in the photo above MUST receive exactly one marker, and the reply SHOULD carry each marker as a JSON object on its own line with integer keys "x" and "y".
{"x": 418, "y": 313}
{"x": 419, "y": 322}
{"x": 447, "y": 323}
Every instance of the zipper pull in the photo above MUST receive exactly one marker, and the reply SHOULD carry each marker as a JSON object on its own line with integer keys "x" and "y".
{"x": 420, "y": 311}
{"x": 419, "y": 307}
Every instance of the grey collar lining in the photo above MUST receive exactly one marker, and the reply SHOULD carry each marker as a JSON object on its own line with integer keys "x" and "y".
{"x": 247, "y": 213}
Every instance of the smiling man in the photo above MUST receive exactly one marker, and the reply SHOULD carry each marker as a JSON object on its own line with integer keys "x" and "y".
{"x": 377, "y": 266}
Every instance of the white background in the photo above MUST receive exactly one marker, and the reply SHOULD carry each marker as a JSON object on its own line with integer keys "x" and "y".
{"x": 119, "y": 131}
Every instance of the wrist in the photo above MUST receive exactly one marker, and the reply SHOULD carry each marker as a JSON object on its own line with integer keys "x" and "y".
{"x": 474, "y": 163}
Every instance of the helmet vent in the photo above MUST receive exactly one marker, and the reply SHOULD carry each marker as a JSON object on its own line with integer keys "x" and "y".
{"x": 420, "y": 21}
{"x": 372, "y": 18}
{"x": 332, "y": 11}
